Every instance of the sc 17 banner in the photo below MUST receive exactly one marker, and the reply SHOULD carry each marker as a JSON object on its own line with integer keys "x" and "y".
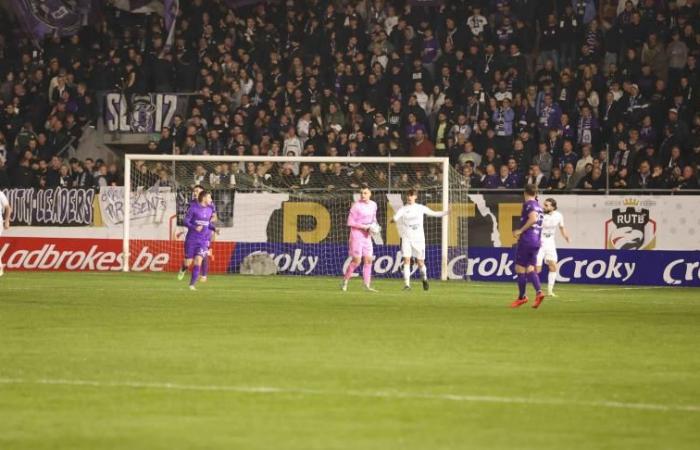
{"x": 143, "y": 113}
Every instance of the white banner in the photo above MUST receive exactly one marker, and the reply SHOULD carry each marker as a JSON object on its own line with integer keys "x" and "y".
{"x": 153, "y": 211}
{"x": 620, "y": 222}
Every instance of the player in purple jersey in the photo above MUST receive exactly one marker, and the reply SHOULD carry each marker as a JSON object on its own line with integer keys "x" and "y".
{"x": 186, "y": 263}
{"x": 199, "y": 231}
{"x": 528, "y": 237}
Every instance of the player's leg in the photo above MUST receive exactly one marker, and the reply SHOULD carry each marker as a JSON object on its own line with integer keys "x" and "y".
{"x": 533, "y": 276}
{"x": 419, "y": 253}
{"x": 551, "y": 259}
{"x": 190, "y": 248}
{"x": 355, "y": 253}
{"x": 407, "y": 254}
{"x": 367, "y": 257}
{"x": 520, "y": 275}
{"x": 407, "y": 273}
{"x": 205, "y": 269}
{"x": 195, "y": 270}
{"x": 187, "y": 262}
{"x": 539, "y": 260}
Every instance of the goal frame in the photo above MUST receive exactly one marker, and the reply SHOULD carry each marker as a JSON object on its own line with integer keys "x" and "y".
{"x": 443, "y": 161}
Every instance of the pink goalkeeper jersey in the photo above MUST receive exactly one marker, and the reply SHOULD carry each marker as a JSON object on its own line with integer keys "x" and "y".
{"x": 361, "y": 215}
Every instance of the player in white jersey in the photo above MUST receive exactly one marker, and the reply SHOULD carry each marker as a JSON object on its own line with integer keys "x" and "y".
{"x": 409, "y": 220}
{"x": 5, "y": 213}
{"x": 553, "y": 220}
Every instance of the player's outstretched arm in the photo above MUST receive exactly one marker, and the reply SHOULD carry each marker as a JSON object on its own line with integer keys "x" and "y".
{"x": 429, "y": 212}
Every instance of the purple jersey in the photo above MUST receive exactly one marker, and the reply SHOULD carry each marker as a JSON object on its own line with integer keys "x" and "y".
{"x": 194, "y": 201}
{"x": 531, "y": 236}
{"x": 198, "y": 215}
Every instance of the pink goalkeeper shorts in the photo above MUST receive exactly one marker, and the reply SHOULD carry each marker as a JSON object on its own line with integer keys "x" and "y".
{"x": 358, "y": 247}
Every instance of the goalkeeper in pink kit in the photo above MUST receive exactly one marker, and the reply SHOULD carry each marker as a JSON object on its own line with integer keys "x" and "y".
{"x": 362, "y": 221}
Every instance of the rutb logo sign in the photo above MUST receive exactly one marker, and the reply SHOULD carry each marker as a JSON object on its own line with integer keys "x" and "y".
{"x": 631, "y": 228}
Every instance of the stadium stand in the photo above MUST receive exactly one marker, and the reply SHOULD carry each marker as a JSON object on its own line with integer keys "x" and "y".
{"x": 573, "y": 95}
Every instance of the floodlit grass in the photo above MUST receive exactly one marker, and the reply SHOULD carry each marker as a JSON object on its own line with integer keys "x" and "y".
{"x": 137, "y": 361}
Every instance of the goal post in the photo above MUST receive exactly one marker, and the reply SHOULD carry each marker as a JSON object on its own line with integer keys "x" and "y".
{"x": 161, "y": 181}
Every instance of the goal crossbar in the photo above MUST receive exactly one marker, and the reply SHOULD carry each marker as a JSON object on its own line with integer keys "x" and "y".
{"x": 443, "y": 161}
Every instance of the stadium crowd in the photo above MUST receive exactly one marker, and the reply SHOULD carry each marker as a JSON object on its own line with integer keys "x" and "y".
{"x": 568, "y": 94}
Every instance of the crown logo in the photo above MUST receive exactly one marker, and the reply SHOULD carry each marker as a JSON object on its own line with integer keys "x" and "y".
{"x": 630, "y": 202}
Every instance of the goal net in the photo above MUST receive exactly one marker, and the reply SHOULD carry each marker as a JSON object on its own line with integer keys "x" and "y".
{"x": 294, "y": 209}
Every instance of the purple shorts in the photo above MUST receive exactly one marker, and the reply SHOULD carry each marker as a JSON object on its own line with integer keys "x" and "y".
{"x": 526, "y": 255}
{"x": 196, "y": 248}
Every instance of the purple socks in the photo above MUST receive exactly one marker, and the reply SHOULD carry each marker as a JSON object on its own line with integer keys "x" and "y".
{"x": 522, "y": 283}
{"x": 195, "y": 274}
{"x": 205, "y": 267}
{"x": 535, "y": 280}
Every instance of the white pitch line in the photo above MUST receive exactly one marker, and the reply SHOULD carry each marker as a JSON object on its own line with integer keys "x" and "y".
{"x": 353, "y": 393}
{"x": 636, "y": 288}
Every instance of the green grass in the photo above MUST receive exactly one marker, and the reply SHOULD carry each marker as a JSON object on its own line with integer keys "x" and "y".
{"x": 102, "y": 361}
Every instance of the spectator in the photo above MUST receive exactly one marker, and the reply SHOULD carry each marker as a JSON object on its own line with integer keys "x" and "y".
{"x": 166, "y": 143}
{"x": 490, "y": 180}
{"x": 642, "y": 179}
{"x": 593, "y": 180}
{"x": 536, "y": 177}
{"x": 422, "y": 146}
{"x": 585, "y": 160}
{"x": 555, "y": 182}
{"x": 568, "y": 177}
{"x": 543, "y": 159}
{"x": 568, "y": 156}
{"x": 469, "y": 155}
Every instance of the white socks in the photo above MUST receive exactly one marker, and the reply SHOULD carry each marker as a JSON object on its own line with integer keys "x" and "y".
{"x": 551, "y": 279}
{"x": 407, "y": 273}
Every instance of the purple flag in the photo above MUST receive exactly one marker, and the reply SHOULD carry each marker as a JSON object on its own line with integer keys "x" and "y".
{"x": 42, "y": 17}
{"x": 171, "y": 9}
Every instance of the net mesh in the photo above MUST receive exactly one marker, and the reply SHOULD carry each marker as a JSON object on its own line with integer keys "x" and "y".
{"x": 296, "y": 212}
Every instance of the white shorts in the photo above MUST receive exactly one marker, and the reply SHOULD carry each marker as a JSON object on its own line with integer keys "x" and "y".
{"x": 548, "y": 252}
{"x": 413, "y": 249}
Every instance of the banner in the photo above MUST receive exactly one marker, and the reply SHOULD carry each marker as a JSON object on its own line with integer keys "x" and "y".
{"x": 145, "y": 113}
{"x": 65, "y": 207}
{"x": 40, "y": 18}
{"x": 631, "y": 222}
{"x": 488, "y": 220}
{"x": 620, "y": 267}
{"x": 66, "y": 254}
{"x": 148, "y": 207}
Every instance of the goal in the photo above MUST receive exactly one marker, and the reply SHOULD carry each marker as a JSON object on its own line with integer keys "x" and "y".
{"x": 293, "y": 208}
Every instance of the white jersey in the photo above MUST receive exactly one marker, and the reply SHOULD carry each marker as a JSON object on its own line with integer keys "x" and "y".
{"x": 409, "y": 219}
{"x": 550, "y": 225}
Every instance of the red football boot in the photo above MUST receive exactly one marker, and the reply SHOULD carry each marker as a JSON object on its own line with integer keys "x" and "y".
{"x": 538, "y": 300}
{"x": 519, "y": 302}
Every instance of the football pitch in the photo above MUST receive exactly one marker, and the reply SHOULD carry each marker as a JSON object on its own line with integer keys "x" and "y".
{"x": 114, "y": 361}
